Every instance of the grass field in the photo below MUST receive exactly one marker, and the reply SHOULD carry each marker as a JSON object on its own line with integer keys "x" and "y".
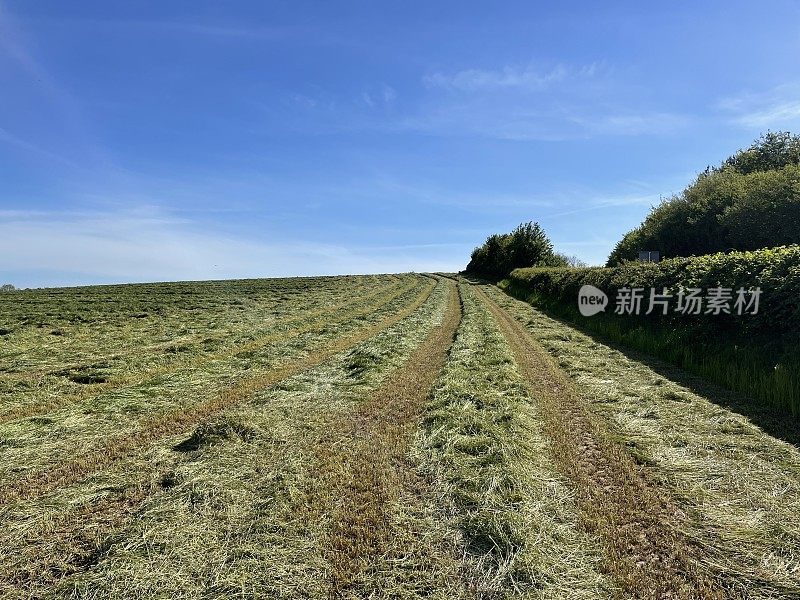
{"x": 393, "y": 436}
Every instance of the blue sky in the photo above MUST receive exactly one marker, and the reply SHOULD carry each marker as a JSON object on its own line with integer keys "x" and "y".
{"x": 193, "y": 140}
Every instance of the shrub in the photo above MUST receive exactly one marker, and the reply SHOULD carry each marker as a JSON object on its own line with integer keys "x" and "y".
{"x": 526, "y": 246}
{"x": 751, "y": 201}
{"x": 776, "y": 271}
{"x": 758, "y": 354}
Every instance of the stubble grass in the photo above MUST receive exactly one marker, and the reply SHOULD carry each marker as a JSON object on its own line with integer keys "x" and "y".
{"x": 737, "y": 485}
{"x": 484, "y": 449}
{"x": 228, "y": 514}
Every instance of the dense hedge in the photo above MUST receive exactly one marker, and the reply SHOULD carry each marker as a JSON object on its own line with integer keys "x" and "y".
{"x": 756, "y": 354}
{"x": 775, "y": 271}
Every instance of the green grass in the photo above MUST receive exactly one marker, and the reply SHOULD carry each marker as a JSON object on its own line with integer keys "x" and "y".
{"x": 483, "y": 444}
{"x": 739, "y": 486}
{"x": 216, "y": 510}
{"x": 122, "y": 354}
{"x": 753, "y": 369}
{"x": 251, "y": 440}
{"x": 76, "y": 427}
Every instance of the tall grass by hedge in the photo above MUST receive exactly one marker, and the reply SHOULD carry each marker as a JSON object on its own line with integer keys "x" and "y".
{"x": 756, "y": 354}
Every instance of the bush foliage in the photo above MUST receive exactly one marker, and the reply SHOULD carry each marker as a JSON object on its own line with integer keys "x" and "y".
{"x": 750, "y": 201}
{"x": 776, "y": 271}
{"x": 526, "y": 246}
{"x": 757, "y": 354}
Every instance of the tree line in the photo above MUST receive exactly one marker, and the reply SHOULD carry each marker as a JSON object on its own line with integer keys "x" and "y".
{"x": 750, "y": 201}
{"x": 526, "y": 246}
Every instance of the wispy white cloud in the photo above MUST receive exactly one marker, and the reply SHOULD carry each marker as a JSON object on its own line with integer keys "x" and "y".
{"x": 146, "y": 244}
{"x": 379, "y": 96}
{"x": 393, "y": 189}
{"x": 30, "y": 147}
{"x": 499, "y": 105}
{"x": 653, "y": 123}
{"x": 484, "y": 119}
{"x": 777, "y": 107}
{"x": 525, "y": 78}
{"x": 784, "y": 112}
{"x": 547, "y": 123}
{"x": 600, "y": 203}
{"x": 580, "y": 102}
{"x": 303, "y": 100}
{"x": 13, "y": 214}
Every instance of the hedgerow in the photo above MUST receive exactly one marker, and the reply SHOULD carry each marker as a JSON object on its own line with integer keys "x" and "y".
{"x": 758, "y": 354}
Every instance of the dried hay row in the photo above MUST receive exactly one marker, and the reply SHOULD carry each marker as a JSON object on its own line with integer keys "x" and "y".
{"x": 364, "y": 464}
{"x": 54, "y": 403}
{"x": 731, "y": 466}
{"x": 646, "y": 551}
{"x": 514, "y": 522}
{"x": 178, "y": 420}
{"x": 353, "y": 296}
{"x": 62, "y": 547}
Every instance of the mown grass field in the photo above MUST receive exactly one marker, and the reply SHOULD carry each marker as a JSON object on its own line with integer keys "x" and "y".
{"x": 395, "y": 436}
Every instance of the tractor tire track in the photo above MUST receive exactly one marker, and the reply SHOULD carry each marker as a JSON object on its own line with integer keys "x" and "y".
{"x": 364, "y": 460}
{"x": 646, "y": 551}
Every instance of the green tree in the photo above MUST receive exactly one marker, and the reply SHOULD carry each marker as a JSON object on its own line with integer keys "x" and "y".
{"x": 773, "y": 150}
{"x": 751, "y": 201}
{"x": 526, "y": 246}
